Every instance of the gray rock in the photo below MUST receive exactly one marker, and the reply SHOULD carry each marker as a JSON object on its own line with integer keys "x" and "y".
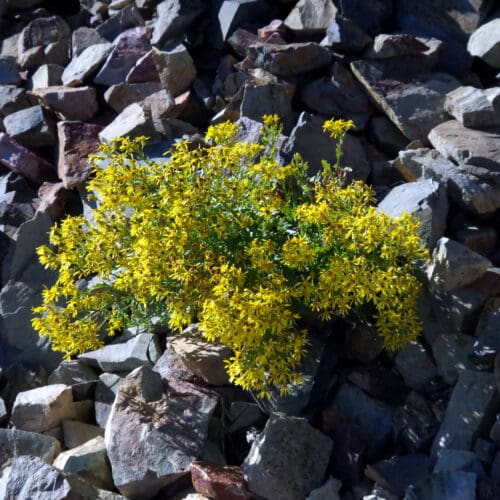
{"x": 89, "y": 460}
{"x": 9, "y": 71}
{"x": 44, "y": 408}
{"x": 344, "y": 35}
{"x": 144, "y": 70}
{"x": 85, "y": 64}
{"x": 120, "y": 96}
{"x": 311, "y": 17}
{"x": 4, "y": 414}
{"x": 289, "y": 60}
{"x": 176, "y": 69}
{"x": 77, "y": 433}
{"x": 474, "y": 108}
{"x": 329, "y": 491}
{"x": 124, "y": 19}
{"x": 487, "y": 343}
{"x": 287, "y": 460}
{"x": 457, "y": 485}
{"x": 415, "y": 365}
{"x": 397, "y": 45}
{"x": 79, "y": 376}
{"x": 46, "y": 76}
{"x": 413, "y": 102}
{"x": 32, "y": 127}
{"x": 485, "y": 43}
{"x": 451, "y": 351}
{"x": 470, "y": 410}
{"x": 166, "y": 432}
{"x": 372, "y": 16}
{"x": 454, "y": 265}
{"x": 174, "y": 19}
{"x": 105, "y": 394}
{"x": 375, "y": 419}
{"x": 454, "y": 460}
{"x": 79, "y": 103}
{"x": 233, "y": 13}
{"x": 16, "y": 443}
{"x": 12, "y": 99}
{"x": 338, "y": 95}
{"x": 464, "y": 145}
{"x": 467, "y": 190}
{"x": 426, "y": 200}
{"x": 128, "y": 47}
{"x": 314, "y": 145}
{"x": 84, "y": 37}
{"x": 142, "y": 349}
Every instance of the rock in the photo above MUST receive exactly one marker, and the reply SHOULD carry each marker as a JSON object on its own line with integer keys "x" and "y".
{"x": 70, "y": 103}
{"x": 203, "y": 358}
{"x": 487, "y": 343}
{"x": 415, "y": 365}
{"x": 344, "y": 35}
{"x": 142, "y": 349}
{"x": 375, "y": 419}
{"x": 89, "y": 461}
{"x": 311, "y": 17}
{"x": 166, "y": 431}
{"x": 54, "y": 200}
{"x": 467, "y": 190}
{"x": 232, "y": 13}
{"x": 474, "y": 108}
{"x": 144, "y": 70}
{"x": 219, "y": 481}
{"x": 314, "y": 145}
{"x": 4, "y": 414}
{"x": 451, "y": 351}
{"x": 454, "y": 265}
{"x": 12, "y": 99}
{"x": 22, "y": 4}
{"x": 76, "y": 141}
{"x": 41, "y": 409}
{"x": 79, "y": 376}
{"x": 77, "y": 433}
{"x": 426, "y": 200}
{"x": 329, "y": 491}
{"x": 174, "y": 18}
{"x": 338, "y": 95}
{"x": 46, "y": 75}
{"x": 455, "y": 460}
{"x": 289, "y": 60}
{"x": 373, "y": 16}
{"x": 125, "y": 19}
{"x": 385, "y": 46}
{"x": 485, "y": 43}
{"x": 120, "y": 96}
{"x": 399, "y": 472}
{"x": 287, "y": 460}
{"x": 170, "y": 366}
{"x": 84, "y": 65}
{"x": 31, "y": 127}
{"x": 15, "y": 443}
{"x": 176, "y": 69}
{"x": 450, "y": 485}
{"x": 84, "y": 37}
{"x": 471, "y": 408}
{"x": 413, "y": 102}
{"x": 9, "y": 71}
{"x": 464, "y": 145}
{"x": 105, "y": 393}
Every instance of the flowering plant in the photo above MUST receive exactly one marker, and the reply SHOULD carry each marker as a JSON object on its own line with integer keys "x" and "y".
{"x": 221, "y": 234}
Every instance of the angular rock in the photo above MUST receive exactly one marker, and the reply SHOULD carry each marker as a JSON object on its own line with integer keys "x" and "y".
{"x": 329, "y": 491}
{"x": 464, "y": 145}
{"x": 372, "y": 16}
{"x": 142, "y": 349}
{"x": 144, "y": 70}
{"x": 485, "y": 43}
{"x": 338, "y": 95}
{"x": 12, "y": 99}
{"x": 287, "y": 460}
{"x": 128, "y": 47}
{"x": 470, "y": 411}
{"x": 170, "y": 366}
{"x": 310, "y": 17}
{"x": 426, "y": 200}
{"x": 32, "y": 127}
{"x": 414, "y": 103}
{"x": 46, "y": 76}
{"x": 467, "y": 190}
{"x": 77, "y": 433}
{"x": 219, "y": 481}
{"x": 454, "y": 460}
{"x": 474, "y": 108}
{"x": 54, "y": 200}
{"x": 22, "y": 161}
{"x": 487, "y": 343}
{"x": 120, "y": 96}
{"x": 41, "y": 409}
{"x": 70, "y": 103}
{"x": 85, "y": 64}
{"x": 79, "y": 376}
{"x": 415, "y": 365}
{"x": 454, "y": 265}
{"x": 15, "y": 443}
{"x": 344, "y": 35}
{"x": 125, "y": 19}
{"x": 385, "y": 46}
{"x": 314, "y": 145}
{"x": 167, "y": 432}
{"x": 4, "y": 414}
{"x": 105, "y": 393}
{"x": 84, "y": 37}
{"x": 89, "y": 461}
{"x": 232, "y": 13}
{"x": 289, "y": 60}
{"x": 9, "y": 71}
{"x": 176, "y": 69}
{"x": 449, "y": 485}
{"x": 174, "y": 19}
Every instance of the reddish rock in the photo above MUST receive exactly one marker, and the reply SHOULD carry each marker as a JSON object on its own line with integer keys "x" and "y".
{"x": 76, "y": 141}
{"x": 24, "y": 162}
{"x": 53, "y": 199}
{"x": 70, "y": 103}
{"x": 223, "y": 482}
{"x": 144, "y": 71}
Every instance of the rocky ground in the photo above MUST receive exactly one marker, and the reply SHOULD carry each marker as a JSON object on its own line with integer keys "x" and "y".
{"x": 151, "y": 416}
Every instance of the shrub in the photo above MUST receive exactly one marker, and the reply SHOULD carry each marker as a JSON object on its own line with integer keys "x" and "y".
{"x": 220, "y": 233}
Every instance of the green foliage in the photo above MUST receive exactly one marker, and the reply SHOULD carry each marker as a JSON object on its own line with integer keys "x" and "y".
{"x": 219, "y": 233}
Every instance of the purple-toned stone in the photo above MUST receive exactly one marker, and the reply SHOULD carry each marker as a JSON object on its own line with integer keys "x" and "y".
{"x": 144, "y": 71}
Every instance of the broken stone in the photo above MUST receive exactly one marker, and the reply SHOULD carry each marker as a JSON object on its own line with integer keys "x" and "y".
{"x": 329, "y": 491}
{"x": 84, "y": 37}
{"x": 176, "y": 69}
{"x": 487, "y": 343}
{"x": 12, "y": 99}
{"x": 32, "y": 127}
{"x": 219, "y": 481}
{"x": 105, "y": 393}
{"x": 122, "y": 95}
{"x": 144, "y": 70}
{"x": 485, "y": 43}
{"x": 77, "y": 433}
{"x": 54, "y": 198}
{"x": 47, "y": 76}
{"x": 125, "y": 19}
{"x": 233, "y": 13}
{"x": 454, "y": 460}
{"x": 397, "y": 45}
{"x": 85, "y": 64}
{"x": 79, "y": 376}
{"x": 310, "y": 18}
{"x": 344, "y": 35}
{"x": 287, "y": 460}
{"x": 9, "y": 71}
{"x": 415, "y": 365}
{"x": 444, "y": 485}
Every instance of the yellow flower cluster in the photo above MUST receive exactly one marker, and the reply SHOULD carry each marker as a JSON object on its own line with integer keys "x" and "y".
{"x": 221, "y": 234}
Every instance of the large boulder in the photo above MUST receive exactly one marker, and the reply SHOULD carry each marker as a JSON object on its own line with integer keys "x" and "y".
{"x": 485, "y": 43}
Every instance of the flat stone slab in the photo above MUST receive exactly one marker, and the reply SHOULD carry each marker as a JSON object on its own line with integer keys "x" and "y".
{"x": 464, "y": 145}
{"x": 485, "y": 43}
{"x": 85, "y": 64}
{"x": 413, "y": 102}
